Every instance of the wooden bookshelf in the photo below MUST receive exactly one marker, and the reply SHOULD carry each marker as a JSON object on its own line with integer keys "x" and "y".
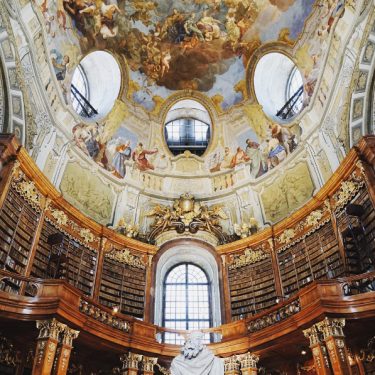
{"x": 124, "y": 286}
{"x": 77, "y": 262}
{"x": 252, "y": 288}
{"x": 315, "y": 257}
{"x": 367, "y": 220}
{"x": 18, "y": 224}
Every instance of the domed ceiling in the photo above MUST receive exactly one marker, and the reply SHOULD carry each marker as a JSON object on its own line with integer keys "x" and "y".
{"x": 171, "y": 45}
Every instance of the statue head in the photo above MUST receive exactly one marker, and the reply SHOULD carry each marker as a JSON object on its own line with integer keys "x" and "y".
{"x": 193, "y": 345}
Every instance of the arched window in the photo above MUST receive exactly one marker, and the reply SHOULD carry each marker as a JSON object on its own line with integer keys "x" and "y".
{"x": 186, "y": 304}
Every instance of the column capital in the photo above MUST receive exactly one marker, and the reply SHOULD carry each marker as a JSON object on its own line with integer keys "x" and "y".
{"x": 231, "y": 365}
{"x": 332, "y": 327}
{"x": 248, "y": 360}
{"x": 313, "y": 334}
{"x": 148, "y": 364}
{"x": 130, "y": 360}
{"x": 49, "y": 329}
{"x": 69, "y": 335}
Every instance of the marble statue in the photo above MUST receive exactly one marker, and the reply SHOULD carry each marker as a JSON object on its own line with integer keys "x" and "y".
{"x": 196, "y": 359}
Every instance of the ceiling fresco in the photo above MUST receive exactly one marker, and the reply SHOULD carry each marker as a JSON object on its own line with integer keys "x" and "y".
{"x": 170, "y": 45}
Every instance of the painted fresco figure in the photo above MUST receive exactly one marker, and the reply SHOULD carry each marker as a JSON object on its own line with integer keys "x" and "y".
{"x": 191, "y": 28}
{"x": 140, "y": 159}
{"x": 257, "y": 165}
{"x": 276, "y": 153}
{"x": 239, "y": 157}
{"x": 123, "y": 153}
{"x": 60, "y": 64}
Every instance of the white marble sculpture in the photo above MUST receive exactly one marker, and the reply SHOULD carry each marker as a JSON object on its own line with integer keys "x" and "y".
{"x": 196, "y": 359}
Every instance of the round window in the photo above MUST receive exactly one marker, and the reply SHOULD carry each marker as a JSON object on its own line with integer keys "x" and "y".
{"x": 95, "y": 85}
{"x": 187, "y": 128}
{"x": 278, "y": 86}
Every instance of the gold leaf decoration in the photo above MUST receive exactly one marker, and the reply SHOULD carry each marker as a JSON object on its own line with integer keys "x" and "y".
{"x": 125, "y": 256}
{"x": 248, "y": 257}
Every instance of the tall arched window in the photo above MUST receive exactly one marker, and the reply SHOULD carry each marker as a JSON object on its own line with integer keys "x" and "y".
{"x": 186, "y": 304}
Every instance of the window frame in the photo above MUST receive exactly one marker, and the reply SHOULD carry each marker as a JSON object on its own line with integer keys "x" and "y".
{"x": 177, "y": 147}
{"x": 186, "y": 284}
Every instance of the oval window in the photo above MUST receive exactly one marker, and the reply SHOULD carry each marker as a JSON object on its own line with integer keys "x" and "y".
{"x": 278, "y": 86}
{"x": 95, "y": 85}
{"x": 187, "y": 128}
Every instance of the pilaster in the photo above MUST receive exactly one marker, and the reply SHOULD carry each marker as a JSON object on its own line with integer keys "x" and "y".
{"x": 333, "y": 335}
{"x": 64, "y": 350}
{"x": 319, "y": 351}
{"x": 47, "y": 341}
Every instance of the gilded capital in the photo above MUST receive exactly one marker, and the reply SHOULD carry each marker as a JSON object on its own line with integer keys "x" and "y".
{"x": 331, "y": 327}
{"x": 130, "y": 360}
{"x": 313, "y": 335}
{"x": 231, "y": 364}
{"x": 248, "y": 360}
{"x": 149, "y": 363}
{"x": 50, "y": 329}
{"x": 69, "y": 336}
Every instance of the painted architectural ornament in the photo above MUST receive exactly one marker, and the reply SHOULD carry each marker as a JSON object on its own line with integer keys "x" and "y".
{"x": 187, "y": 214}
{"x": 125, "y": 256}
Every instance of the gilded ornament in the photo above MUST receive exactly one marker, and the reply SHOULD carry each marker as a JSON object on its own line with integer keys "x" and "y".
{"x": 248, "y": 257}
{"x": 87, "y": 235}
{"x": 60, "y": 217}
{"x": 287, "y": 236}
{"x": 126, "y": 229}
{"x": 125, "y": 256}
{"x": 186, "y": 214}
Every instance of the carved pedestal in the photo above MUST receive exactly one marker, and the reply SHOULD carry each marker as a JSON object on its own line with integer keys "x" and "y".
{"x": 64, "y": 350}
{"x": 130, "y": 363}
{"x": 148, "y": 365}
{"x": 333, "y": 335}
{"x": 248, "y": 363}
{"x": 319, "y": 351}
{"x": 231, "y": 366}
{"x": 47, "y": 342}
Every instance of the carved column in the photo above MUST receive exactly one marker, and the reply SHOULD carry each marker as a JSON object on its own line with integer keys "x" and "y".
{"x": 130, "y": 363}
{"x": 231, "y": 366}
{"x": 148, "y": 365}
{"x": 64, "y": 350}
{"x": 333, "y": 335}
{"x": 47, "y": 341}
{"x": 248, "y": 363}
{"x": 319, "y": 351}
